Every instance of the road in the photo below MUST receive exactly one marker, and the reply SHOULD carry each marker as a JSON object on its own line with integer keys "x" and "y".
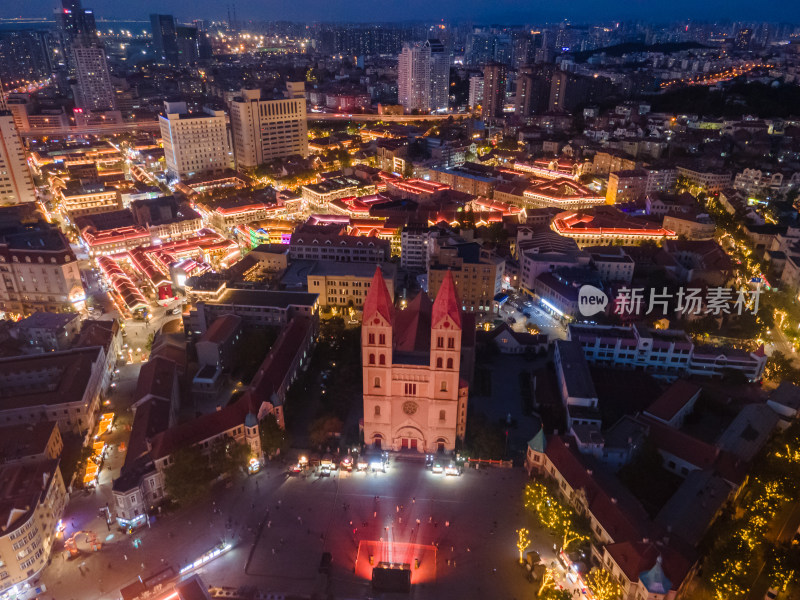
{"x": 111, "y": 128}
{"x": 387, "y": 118}
{"x": 783, "y": 531}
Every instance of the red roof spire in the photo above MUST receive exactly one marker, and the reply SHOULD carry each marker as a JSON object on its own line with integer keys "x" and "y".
{"x": 446, "y": 303}
{"x": 378, "y": 301}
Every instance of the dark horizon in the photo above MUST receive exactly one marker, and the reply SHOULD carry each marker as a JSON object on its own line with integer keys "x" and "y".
{"x": 501, "y": 12}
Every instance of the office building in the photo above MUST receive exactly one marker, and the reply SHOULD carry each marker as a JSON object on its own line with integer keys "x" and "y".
{"x": 94, "y": 82}
{"x": 165, "y": 39}
{"x": 494, "y": 90}
{"x": 423, "y": 77}
{"x": 194, "y": 143}
{"x": 415, "y": 396}
{"x": 16, "y": 182}
{"x": 73, "y": 24}
{"x": 265, "y": 128}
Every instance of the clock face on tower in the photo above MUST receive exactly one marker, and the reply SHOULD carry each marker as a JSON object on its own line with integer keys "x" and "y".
{"x": 409, "y": 407}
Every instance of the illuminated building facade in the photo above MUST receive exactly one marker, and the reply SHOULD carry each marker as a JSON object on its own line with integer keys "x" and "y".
{"x": 16, "y": 183}
{"x": 266, "y": 128}
{"x": 415, "y": 397}
{"x": 38, "y": 271}
{"x": 196, "y": 143}
{"x": 34, "y": 498}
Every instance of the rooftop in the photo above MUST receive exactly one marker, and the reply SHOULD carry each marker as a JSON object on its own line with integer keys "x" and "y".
{"x": 59, "y": 378}
{"x": 575, "y": 369}
{"x": 22, "y": 486}
{"x": 47, "y": 320}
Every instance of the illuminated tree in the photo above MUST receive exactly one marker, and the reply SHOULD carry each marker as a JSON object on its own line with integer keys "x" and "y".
{"x": 783, "y": 565}
{"x": 548, "y": 581}
{"x": 553, "y": 514}
{"x": 523, "y": 541}
{"x": 603, "y": 584}
{"x": 555, "y": 594}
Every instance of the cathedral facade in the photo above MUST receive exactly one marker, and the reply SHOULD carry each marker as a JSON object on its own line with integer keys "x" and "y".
{"x": 415, "y": 397}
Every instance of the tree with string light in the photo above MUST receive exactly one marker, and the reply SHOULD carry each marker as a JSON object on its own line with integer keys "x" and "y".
{"x": 523, "y": 541}
{"x": 603, "y": 584}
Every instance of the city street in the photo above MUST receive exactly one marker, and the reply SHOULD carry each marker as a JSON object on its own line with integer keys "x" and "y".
{"x": 280, "y": 525}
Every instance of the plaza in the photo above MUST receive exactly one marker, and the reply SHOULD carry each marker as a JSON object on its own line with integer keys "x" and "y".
{"x": 461, "y": 528}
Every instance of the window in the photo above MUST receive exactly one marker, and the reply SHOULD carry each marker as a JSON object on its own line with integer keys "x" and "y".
{"x": 377, "y": 382}
{"x": 411, "y": 389}
{"x": 449, "y": 363}
{"x": 451, "y": 343}
{"x": 439, "y": 363}
{"x": 372, "y": 359}
{"x": 382, "y": 359}
{"x": 442, "y": 415}
{"x": 444, "y": 386}
{"x": 382, "y": 339}
{"x": 440, "y": 342}
{"x": 371, "y": 338}
{"x": 377, "y": 411}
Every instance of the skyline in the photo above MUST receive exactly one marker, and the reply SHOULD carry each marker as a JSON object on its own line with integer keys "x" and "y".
{"x": 500, "y": 12}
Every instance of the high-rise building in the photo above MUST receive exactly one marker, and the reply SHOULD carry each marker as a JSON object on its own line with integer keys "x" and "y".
{"x": 423, "y": 76}
{"x": 74, "y": 24}
{"x": 475, "y": 91}
{"x": 533, "y": 89}
{"x": 743, "y": 38}
{"x": 188, "y": 45}
{"x": 569, "y": 90}
{"x": 94, "y": 81}
{"x": 265, "y": 128}
{"x": 165, "y": 38}
{"x": 415, "y": 370}
{"x": 494, "y": 90}
{"x": 194, "y": 143}
{"x": 16, "y": 183}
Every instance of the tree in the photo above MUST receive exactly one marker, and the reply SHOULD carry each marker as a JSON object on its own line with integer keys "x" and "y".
{"x": 523, "y": 541}
{"x": 323, "y": 428}
{"x": 603, "y": 584}
{"x": 557, "y": 517}
{"x": 188, "y": 475}
{"x": 555, "y": 594}
{"x": 274, "y": 440}
{"x": 228, "y": 456}
{"x": 783, "y": 565}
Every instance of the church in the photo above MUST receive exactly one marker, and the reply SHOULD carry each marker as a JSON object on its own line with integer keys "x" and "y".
{"x": 417, "y": 364}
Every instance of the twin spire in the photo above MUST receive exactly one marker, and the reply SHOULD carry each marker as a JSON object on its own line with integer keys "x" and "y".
{"x": 379, "y": 302}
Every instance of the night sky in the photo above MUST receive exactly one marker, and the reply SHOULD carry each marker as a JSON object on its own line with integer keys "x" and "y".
{"x": 479, "y": 11}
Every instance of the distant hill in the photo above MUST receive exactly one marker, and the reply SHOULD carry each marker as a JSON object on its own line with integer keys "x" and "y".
{"x": 630, "y": 47}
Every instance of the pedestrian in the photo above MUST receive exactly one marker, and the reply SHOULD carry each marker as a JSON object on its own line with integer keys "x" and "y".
{"x": 397, "y": 508}
{"x": 447, "y": 523}
{"x": 375, "y": 514}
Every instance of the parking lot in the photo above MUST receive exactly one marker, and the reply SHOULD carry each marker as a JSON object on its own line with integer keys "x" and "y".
{"x": 524, "y": 310}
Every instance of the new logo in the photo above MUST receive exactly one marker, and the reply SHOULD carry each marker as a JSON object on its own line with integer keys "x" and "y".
{"x": 591, "y": 300}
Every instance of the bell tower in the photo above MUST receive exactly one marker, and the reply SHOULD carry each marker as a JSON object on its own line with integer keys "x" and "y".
{"x": 446, "y": 341}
